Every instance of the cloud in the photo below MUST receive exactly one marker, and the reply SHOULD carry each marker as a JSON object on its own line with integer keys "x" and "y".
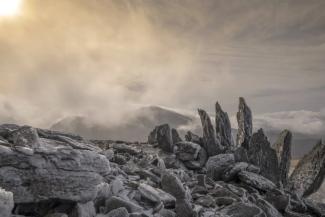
{"x": 104, "y": 58}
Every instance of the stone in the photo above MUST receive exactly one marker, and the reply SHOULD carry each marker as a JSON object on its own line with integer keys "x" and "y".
{"x": 210, "y": 142}
{"x": 184, "y": 208}
{"x": 240, "y": 209}
{"x": 26, "y": 136}
{"x": 217, "y": 165}
{"x": 171, "y": 184}
{"x": 175, "y": 136}
{"x": 124, "y": 148}
{"x": 156, "y": 195}
{"x": 6, "y": 203}
{"x": 206, "y": 201}
{"x": 268, "y": 209}
{"x": 57, "y": 215}
{"x": 245, "y": 124}
{"x": 309, "y": 174}
{"x": 232, "y": 171}
{"x": 119, "y": 212}
{"x": 84, "y": 210}
{"x": 164, "y": 138}
{"x": 117, "y": 202}
{"x": 54, "y": 170}
{"x": 278, "y": 199}
{"x": 263, "y": 156}
{"x": 191, "y": 137}
{"x": 283, "y": 150}
{"x": 223, "y": 128}
{"x": 256, "y": 181}
{"x": 187, "y": 151}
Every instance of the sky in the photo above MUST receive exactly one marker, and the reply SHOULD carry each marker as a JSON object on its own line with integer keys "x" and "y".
{"x": 102, "y": 58}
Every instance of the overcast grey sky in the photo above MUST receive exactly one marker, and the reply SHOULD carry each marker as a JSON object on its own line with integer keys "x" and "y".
{"x": 102, "y": 57}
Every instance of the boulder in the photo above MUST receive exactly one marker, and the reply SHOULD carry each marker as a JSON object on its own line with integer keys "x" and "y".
{"x": 232, "y": 171}
{"x": 117, "y": 202}
{"x": 245, "y": 124}
{"x": 263, "y": 156}
{"x": 172, "y": 185}
{"x": 223, "y": 128}
{"x": 51, "y": 170}
{"x": 156, "y": 195}
{"x": 187, "y": 151}
{"x": 283, "y": 150}
{"x": 256, "y": 181}
{"x": 217, "y": 165}
{"x": 119, "y": 212}
{"x": 164, "y": 138}
{"x": 309, "y": 174}
{"x": 210, "y": 142}
{"x": 175, "y": 136}
{"x": 152, "y": 138}
{"x": 6, "y": 203}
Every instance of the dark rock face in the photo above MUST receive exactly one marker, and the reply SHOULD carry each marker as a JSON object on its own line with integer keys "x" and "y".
{"x": 245, "y": 124}
{"x": 175, "y": 136}
{"x": 223, "y": 128}
{"x": 211, "y": 143}
{"x": 283, "y": 150}
{"x": 51, "y": 169}
{"x": 262, "y": 155}
{"x": 6, "y": 203}
{"x": 164, "y": 138}
{"x": 187, "y": 151}
{"x": 309, "y": 173}
{"x": 256, "y": 181}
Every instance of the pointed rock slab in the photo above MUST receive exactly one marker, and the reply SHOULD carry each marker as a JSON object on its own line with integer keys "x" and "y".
{"x": 211, "y": 144}
{"x": 262, "y": 155}
{"x": 164, "y": 138}
{"x": 156, "y": 195}
{"x": 283, "y": 150}
{"x": 175, "y": 136}
{"x": 152, "y": 138}
{"x": 245, "y": 125}
{"x": 309, "y": 174}
{"x": 241, "y": 209}
{"x": 223, "y": 128}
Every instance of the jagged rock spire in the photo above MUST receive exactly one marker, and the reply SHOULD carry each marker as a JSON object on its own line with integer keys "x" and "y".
{"x": 283, "y": 150}
{"x": 211, "y": 143}
{"x": 245, "y": 125}
{"x": 223, "y": 128}
{"x": 309, "y": 174}
{"x": 262, "y": 155}
{"x": 164, "y": 138}
{"x": 175, "y": 136}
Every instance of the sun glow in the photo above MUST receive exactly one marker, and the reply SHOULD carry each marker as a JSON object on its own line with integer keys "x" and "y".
{"x": 9, "y": 8}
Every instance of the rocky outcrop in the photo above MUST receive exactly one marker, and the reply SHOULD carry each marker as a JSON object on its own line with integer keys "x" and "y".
{"x": 36, "y": 169}
{"x": 245, "y": 124}
{"x": 283, "y": 150}
{"x": 223, "y": 128}
{"x": 263, "y": 156}
{"x": 55, "y": 174}
{"x": 309, "y": 174}
{"x": 211, "y": 143}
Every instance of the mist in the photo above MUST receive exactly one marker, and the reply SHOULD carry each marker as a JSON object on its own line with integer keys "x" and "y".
{"x": 103, "y": 59}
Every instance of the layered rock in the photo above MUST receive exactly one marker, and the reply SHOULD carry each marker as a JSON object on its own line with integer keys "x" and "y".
{"x": 309, "y": 174}
{"x": 263, "y": 156}
{"x": 283, "y": 150}
{"x": 37, "y": 169}
{"x": 211, "y": 143}
{"x": 245, "y": 124}
{"x": 223, "y": 128}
